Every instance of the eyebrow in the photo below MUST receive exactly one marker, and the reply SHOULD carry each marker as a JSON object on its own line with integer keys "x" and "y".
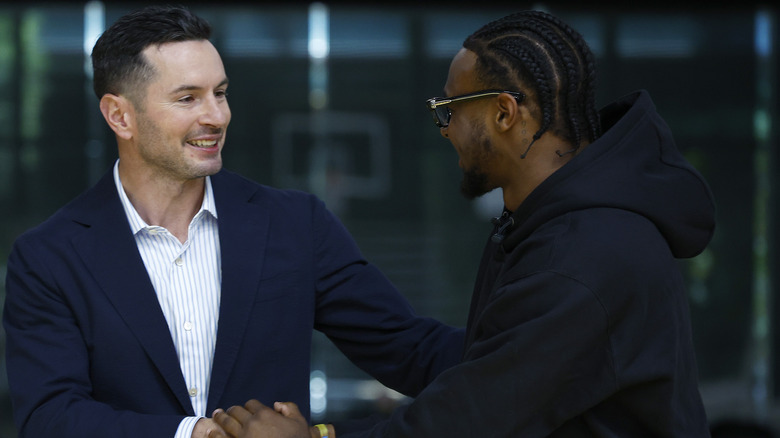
{"x": 181, "y": 88}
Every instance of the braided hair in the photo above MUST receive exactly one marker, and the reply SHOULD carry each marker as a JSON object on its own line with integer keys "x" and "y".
{"x": 540, "y": 54}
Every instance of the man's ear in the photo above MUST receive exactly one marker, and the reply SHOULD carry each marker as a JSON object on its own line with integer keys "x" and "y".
{"x": 507, "y": 112}
{"x": 119, "y": 114}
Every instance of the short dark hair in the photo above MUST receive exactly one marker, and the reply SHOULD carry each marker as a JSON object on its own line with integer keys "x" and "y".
{"x": 118, "y": 63}
{"x": 536, "y": 50}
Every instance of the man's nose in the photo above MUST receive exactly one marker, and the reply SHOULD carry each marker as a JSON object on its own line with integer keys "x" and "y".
{"x": 215, "y": 113}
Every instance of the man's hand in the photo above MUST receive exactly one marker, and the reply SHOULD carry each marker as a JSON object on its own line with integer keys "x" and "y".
{"x": 203, "y": 428}
{"x": 255, "y": 420}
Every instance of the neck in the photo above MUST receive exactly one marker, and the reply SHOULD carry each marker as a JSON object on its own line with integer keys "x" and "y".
{"x": 541, "y": 161}
{"x": 164, "y": 202}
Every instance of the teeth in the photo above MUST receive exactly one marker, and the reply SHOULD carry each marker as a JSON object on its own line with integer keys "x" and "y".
{"x": 203, "y": 143}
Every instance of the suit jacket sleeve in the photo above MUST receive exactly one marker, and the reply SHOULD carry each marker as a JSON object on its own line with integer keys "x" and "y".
{"x": 370, "y": 321}
{"x": 48, "y": 357}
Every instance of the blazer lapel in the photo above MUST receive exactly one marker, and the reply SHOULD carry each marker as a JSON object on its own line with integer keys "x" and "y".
{"x": 109, "y": 250}
{"x": 243, "y": 231}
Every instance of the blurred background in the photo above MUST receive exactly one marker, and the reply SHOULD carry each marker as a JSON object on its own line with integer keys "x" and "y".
{"x": 329, "y": 98}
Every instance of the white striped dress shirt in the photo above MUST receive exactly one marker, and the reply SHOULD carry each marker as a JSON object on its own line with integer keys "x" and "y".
{"x": 187, "y": 279}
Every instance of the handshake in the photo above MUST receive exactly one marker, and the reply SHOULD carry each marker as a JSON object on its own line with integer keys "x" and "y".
{"x": 255, "y": 420}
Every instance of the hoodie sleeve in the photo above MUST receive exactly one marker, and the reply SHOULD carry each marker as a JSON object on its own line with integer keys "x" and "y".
{"x": 541, "y": 356}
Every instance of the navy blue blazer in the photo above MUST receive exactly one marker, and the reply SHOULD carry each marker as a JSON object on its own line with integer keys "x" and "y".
{"x": 89, "y": 352}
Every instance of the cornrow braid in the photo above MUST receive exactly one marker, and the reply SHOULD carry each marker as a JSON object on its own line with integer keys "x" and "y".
{"x": 539, "y": 70}
{"x": 539, "y": 53}
{"x": 589, "y": 63}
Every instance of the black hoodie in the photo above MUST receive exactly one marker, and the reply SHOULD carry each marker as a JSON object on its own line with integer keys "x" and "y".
{"x": 579, "y": 324}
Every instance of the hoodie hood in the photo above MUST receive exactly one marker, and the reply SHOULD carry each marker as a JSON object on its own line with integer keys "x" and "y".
{"x": 633, "y": 166}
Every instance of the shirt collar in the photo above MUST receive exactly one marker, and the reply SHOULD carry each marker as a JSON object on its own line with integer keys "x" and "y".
{"x": 137, "y": 224}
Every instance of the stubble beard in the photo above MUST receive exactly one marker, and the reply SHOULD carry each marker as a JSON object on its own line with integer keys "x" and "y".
{"x": 475, "y": 182}
{"x": 170, "y": 164}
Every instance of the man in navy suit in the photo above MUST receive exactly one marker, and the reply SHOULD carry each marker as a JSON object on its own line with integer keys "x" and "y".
{"x": 172, "y": 286}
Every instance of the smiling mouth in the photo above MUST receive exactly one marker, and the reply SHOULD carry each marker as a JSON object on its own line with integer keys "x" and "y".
{"x": 203, "y": 143}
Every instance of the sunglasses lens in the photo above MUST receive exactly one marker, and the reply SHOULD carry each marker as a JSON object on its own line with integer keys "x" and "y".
{"x": 442, "y": 116}
{"x": 436, "y": 118}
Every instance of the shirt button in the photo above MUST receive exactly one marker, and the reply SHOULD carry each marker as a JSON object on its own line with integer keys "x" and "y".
{"x": 179, "y": 261}
{"x": 188, "y": 326}
{"x": 193, "y": 392}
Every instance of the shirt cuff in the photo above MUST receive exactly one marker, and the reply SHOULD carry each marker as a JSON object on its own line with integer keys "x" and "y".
{"x": 186, "y": 426}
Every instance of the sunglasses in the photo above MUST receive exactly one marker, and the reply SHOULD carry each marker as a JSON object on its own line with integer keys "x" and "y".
{"x": 440, "y": 109}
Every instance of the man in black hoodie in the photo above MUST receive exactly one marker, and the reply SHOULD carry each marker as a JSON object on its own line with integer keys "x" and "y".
{"x": 579, "y": 324}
